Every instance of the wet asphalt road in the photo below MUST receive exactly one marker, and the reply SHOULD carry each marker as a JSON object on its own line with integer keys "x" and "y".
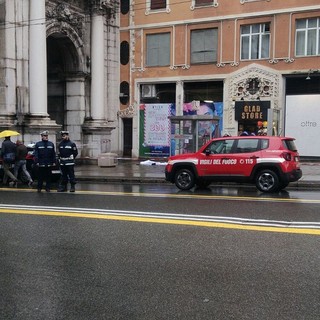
{"x": 77, "y": 267}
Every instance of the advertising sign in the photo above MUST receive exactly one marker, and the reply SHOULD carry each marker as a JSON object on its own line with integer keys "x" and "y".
{"x": 302, "y": 122}
{"x": 251, "y": 110}
{"x": 155, "y": 129}
{"x": 157, "y": 125}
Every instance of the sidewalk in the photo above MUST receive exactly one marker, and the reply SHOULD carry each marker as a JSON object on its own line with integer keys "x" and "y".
{"x": 134, "y": 171}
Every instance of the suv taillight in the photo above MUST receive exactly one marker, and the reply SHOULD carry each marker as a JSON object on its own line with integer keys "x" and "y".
{"x": 287, "y": 156}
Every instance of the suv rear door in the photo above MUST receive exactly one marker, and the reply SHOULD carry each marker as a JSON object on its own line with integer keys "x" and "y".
{"x": 246, "y": 153}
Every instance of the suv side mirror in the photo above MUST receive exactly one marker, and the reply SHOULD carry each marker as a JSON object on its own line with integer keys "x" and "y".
{"x": 207, "y": 152}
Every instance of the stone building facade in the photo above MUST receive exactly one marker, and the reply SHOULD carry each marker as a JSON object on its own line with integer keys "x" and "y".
{"x": 59, "y": 69}
{"x": 253, "y": 59}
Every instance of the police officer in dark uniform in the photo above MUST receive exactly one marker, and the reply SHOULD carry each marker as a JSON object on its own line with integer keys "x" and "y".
{"x": 44, "y": 158}
{"x": 67, "y": 152}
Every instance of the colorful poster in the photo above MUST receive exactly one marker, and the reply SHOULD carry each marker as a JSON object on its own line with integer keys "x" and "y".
{"x": 206, "y": 108}
{"x": 155, "y": 129}
{"x": 157, "y": 124}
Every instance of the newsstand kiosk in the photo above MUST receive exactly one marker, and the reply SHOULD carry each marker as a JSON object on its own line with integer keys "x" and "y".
{"x": 189, "y": 133}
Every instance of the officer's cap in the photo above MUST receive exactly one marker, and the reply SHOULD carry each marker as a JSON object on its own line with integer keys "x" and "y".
{"x": 64, "y": 133}
{"x": 44, "y": 133}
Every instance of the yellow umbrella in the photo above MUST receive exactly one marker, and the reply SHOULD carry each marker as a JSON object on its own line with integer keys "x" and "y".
{"x": 8, "y": 133}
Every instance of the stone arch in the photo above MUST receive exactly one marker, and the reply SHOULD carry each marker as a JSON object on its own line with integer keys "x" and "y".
{"x": 73, "y": 45}
{"x": 67, "y": 77}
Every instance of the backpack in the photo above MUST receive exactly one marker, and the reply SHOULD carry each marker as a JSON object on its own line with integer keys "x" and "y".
{"x": 9, "y": 157}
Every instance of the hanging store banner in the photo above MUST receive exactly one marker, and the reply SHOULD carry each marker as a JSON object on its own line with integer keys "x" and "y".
{"x": 251, "y": 110}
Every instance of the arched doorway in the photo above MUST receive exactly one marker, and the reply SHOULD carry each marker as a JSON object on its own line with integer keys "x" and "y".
{"x": 66, "y": 83}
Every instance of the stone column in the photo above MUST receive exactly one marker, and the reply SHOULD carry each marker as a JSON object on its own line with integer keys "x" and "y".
{"x": 179, "y": 98}
{"x": 96, "y": 128}
{"x": 38, "y": 119}
{"x": 8, "y": 69}
{"x": 38, "y": 59}
{"x": 97, "y": 66}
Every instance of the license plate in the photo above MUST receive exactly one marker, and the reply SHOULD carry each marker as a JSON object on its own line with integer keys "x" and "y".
{"x": 55, "y": 171}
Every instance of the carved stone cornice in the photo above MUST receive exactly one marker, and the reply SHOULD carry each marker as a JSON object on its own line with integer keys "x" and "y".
{"x": 76, "y": 4}
{"x": 127, "y": 112}
{"x": 104, "y": 7}
{"x": 64, "y": 14}
{"x": 93, "y": 126}
{"x": 253, "y": 83}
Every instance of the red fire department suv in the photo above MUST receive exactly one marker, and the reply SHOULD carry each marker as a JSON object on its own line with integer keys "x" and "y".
{"x": 266, "y": 161}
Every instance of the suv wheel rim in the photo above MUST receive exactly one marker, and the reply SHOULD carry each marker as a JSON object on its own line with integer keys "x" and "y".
{"x": 266, "y": 181}
{"x": 184, "y": 179}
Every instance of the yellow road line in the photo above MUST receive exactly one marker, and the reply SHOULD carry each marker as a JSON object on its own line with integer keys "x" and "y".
{"x": 207, "y": 224}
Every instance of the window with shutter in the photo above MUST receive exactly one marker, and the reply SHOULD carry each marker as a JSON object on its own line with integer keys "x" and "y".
{"x": 199, "y": 3}
{"x": 158, "y": 50}
{"x": 204, "y": 45}
{"x": 158, "y": 4}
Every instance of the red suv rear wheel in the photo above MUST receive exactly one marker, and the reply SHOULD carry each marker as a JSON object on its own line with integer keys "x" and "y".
{"x": 267, "y": 181}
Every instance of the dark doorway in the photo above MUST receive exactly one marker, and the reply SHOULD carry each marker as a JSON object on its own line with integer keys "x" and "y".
{"x": 56, "y": 80}
{"x": 127, "y": 137}
{"x": 62, "y": 64}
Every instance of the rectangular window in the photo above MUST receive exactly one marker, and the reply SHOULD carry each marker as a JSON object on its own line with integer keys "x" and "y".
{"x": 158, "y": 4}
{"x": 158, "y": 50}
{"x": 204, "y": 45}
{"x": 247, "y": 145}
{"x": 308, "y": 37}
{"x": 245, "y": 1}
{"x": 255, "y": 41}
{"x": 199, "y": 3}
{"x": 221, "y": 146}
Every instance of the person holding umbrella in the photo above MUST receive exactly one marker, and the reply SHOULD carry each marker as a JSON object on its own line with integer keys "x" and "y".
{"x": 8, "y": 155}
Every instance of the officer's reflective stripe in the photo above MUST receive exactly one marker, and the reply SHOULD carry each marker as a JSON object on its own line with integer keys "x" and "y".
{"x": 68, "y": 158}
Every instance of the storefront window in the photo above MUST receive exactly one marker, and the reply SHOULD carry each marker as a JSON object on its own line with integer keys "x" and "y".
{"x": 203, "y": 91}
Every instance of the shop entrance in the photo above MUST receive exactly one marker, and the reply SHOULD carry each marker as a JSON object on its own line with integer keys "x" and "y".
{"x": 256, "y": 118}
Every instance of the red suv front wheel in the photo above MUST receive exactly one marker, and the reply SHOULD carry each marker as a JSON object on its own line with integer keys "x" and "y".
{"x": 184, "y": 179}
